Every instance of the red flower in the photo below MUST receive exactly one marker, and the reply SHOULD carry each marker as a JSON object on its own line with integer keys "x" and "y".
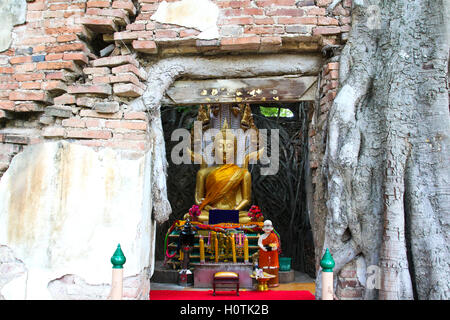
{"x": 194, "y": 211}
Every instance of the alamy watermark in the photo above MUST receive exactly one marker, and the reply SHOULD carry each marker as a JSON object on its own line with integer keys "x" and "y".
{"x": 213, "y": 147}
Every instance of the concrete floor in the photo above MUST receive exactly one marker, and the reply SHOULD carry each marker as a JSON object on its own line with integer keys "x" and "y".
{"x": 301, "y": 282}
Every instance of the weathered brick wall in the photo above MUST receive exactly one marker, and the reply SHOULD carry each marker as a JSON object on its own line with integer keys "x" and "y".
{"x": 54, "y": 84}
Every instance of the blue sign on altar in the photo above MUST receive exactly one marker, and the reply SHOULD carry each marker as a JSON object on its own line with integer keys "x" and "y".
{"x": 223, "y": 216}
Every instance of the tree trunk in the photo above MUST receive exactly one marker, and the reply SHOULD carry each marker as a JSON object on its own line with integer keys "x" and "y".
{"x": 387, "y": 157}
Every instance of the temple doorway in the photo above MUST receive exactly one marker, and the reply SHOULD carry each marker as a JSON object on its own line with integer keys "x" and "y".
{"x": 282, "y": 197}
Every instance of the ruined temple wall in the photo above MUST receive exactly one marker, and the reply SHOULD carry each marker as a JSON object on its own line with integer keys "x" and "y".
{"x": 54, "y": 84}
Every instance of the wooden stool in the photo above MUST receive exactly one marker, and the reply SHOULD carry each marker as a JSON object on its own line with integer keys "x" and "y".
{"x": 226, "y": 277}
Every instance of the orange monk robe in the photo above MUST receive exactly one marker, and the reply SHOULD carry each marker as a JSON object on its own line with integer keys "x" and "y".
{"x": 220, "y": 181}
{"x": 269, "y": 258}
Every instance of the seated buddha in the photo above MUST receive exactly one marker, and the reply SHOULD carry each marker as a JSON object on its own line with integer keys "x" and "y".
{"x": 224, "y": 185}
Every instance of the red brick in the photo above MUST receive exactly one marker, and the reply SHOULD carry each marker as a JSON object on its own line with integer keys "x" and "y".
{"x": 127, "y": 78}
{"x": 268, "y": 3}
{"x": 265, "y": 20}
{"x": 135, "y": 115}
{"x": 37, "y": 40}
{"x": 117, "y": 13}
{"x": 69, "y": 65}
{"x": 130, "y": 125}
{"x": 29, "y": 96}
{"x": 315, "y": 11}
{"x": 146, "y": 46}
{"x": 101, "y": 80}
{"x": 54, "y": 86}
{"x": 7, "y": 105}
{"x": 25, "y": 67}
{"x": 20, "y": 59}
{"x": 115, "y": 61}
{"x": 326, "y": 30}
{"x": 271, "y": 41}
{"x": 104, "y": 89}
{"x": 28, "y": 76}
{"x": 93, "y": 123}
{"x": 327, "y": 21}
{"x": 53, "y": 132}
{"x": 250, "y": 43}
{"x": 89, "y": 134}
{"x": 165, "y": 34}
{"x": 30, "y": 85}
{"x": 6, "y": 70}
{"x": 36, "y": 6}
{"x": 94, "y": 114}
{"x": 97, "y": 71}
{"x": 126, "y": 5}
{"x": 291, "y": 12}
{"x": 65, "y": 99}
{"x": 58, "y": 6}
{"x": 238, "y": 21}
{"x": 54, "y": 56}
{"x": 100, "y": 24}
{"x": 126, "y": 36}
{"x": 66, "y": 37}
{"x": 127, "y": 90}
{"x": 252, "y": 11}
{"x": 74, "y": 123}
{"x": 136, "y": 27}
{"x": 189, "y": 33}
{"x": 98, "y": 4}
{"x": 77, "y": 46}
{"x": 77, "y": 57}
{"x": 58, "y": 75}
{"x": 263, "y": 30}
{"x": 298, "y": 20}
{"x": 323, "y": 3}
{"x": 130, "y": 68}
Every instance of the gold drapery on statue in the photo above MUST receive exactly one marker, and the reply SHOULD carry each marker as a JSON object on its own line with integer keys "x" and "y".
{"x": 220, "y": 181}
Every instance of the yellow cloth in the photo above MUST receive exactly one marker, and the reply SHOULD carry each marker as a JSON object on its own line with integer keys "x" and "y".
{"x": 220, "y": 181}
{"x": 226, "y": 274}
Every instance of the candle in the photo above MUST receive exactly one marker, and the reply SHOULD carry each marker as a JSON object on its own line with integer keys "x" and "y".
{"x": 216, "y": 249}
{"x": 233, "y": 248}
{"x": 245, "y": 249}
{"x": 202, "y": 249}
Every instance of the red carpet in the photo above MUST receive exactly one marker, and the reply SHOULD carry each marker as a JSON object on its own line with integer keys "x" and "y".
{"x": 229, "y": 295}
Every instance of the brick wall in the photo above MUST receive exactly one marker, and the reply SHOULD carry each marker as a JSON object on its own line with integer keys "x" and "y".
{"x": 55, "y": 84}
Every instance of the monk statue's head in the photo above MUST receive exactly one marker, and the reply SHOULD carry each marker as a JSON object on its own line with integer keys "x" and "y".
{"x": 225, "y": 146}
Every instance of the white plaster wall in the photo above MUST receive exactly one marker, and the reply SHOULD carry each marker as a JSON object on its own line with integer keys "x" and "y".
{"x": 63, "y": 210}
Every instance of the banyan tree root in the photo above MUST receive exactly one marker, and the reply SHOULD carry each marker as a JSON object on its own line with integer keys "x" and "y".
{"x": 387, "y": 149}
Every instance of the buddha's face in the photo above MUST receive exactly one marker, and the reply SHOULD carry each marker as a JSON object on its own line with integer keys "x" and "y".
{"x": 224, "y": 151}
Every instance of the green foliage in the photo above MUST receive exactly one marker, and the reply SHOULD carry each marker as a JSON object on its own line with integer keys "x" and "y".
{"x": 273, "y": 112}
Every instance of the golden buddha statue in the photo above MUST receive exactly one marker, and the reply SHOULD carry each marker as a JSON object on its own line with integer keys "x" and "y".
{"x": 225, "y": 185}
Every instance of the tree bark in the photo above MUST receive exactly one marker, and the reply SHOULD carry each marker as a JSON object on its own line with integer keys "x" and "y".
{"x": 387, "y": 157}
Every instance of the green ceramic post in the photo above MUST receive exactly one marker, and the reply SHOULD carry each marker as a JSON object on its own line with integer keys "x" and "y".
{"x": 327, "y": 262}
{"x": 118, "y": 259}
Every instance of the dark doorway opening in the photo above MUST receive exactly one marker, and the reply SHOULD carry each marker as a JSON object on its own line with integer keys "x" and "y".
{"x": 281, "y": 197}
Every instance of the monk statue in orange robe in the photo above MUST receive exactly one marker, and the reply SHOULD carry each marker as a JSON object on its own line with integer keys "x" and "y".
{"x": 224, "y": 185}
{"x": 268, "y": 252}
